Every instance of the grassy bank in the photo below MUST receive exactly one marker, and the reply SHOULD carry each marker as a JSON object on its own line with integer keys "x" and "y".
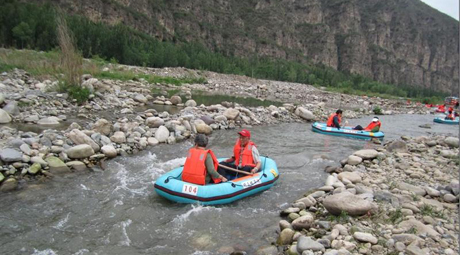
{"x": 47, "y": 65}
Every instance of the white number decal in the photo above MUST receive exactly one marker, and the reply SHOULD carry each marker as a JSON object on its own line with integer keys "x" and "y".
{"x": 190, "y": 189}
{"x": 250, "y": 183}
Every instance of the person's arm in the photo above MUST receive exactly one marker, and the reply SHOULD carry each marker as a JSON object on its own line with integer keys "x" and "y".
{"x": 230, "y": 159}
{"x": 256, "y": 157}
{"x": 210, "y": 169}
{"x": 336, "y": 122}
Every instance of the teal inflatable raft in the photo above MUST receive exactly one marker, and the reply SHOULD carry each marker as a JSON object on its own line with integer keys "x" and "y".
{"x": 171, "y": 186}
{"x": 444, "y": 121}
{"x": 345, "y": 131}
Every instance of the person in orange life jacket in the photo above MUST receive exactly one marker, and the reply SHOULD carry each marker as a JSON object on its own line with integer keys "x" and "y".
{"x": 335, "y": 119}
{"x": 450, "y": 116}
{"x": 374, "y": 126}
{"x": 245, "y": 156}
{"x": 201, "y": 164}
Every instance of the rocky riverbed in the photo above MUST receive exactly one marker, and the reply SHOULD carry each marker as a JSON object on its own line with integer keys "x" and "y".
{"x": 81, "y": 145}
{"x": 400, "y": 198}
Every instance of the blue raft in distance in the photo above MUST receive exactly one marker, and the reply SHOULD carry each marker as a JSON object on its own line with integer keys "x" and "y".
{"x": 345, "y": 131}
{"x": 444, "y": 121}
{"x": 171, "y": 186}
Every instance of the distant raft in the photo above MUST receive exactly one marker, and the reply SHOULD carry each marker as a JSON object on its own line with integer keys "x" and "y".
{"x": 346, "y": 132}
{"x": 171, "y": 186}
{"x": 444, "y": 121}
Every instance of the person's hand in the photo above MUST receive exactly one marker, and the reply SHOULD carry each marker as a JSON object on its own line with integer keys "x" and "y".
{"x": 254, "y": 170}
{"x": 223, "y": 179}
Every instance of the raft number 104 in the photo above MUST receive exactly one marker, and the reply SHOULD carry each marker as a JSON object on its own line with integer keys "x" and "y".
{"x": 190, "y": 189}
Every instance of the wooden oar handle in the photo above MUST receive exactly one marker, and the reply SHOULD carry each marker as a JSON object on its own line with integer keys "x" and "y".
{"x": 234, "y": 170}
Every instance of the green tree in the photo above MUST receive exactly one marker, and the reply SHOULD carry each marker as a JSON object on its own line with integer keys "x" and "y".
{"x": 23, "y": 33}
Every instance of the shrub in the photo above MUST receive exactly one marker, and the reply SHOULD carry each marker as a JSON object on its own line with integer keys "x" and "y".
{"x": 377, "y": 110}
{"x": 78, "y": 93}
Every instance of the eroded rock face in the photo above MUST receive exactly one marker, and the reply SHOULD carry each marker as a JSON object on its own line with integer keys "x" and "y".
{"x": 391, "y": 47}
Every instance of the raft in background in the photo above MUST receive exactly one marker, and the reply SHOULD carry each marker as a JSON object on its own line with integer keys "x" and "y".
{"x": 345, "y": 131}
{"x": 444, "y": 121}
{"x": 171, "y": 186}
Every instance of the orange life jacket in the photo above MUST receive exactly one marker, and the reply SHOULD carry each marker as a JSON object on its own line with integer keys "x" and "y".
{"x": 372, "y": 125}
{"x": 330, "y": 121}
{"x": 195, "y": 168}
{"x": 247, "y": 159}
{"x": 451, "y": 116}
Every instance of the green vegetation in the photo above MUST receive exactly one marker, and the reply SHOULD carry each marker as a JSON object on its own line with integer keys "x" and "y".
{"x": 341, "y": 218}
{"x": 429, "y": 210}
{"x": 377, "y": 110}
{"x": 33, "y": 26}
{"x": 395, "y": 216}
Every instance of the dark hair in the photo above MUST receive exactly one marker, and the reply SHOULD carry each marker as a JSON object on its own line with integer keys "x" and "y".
{"x": 338, "y": 111}
{"x": 201, "y": 140}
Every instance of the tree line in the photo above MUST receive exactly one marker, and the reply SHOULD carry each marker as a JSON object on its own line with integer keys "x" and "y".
{"x": 33, "y": 26}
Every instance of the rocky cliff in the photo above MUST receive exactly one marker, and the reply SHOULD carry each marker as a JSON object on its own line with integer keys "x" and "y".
{"x": 393, "y": 41}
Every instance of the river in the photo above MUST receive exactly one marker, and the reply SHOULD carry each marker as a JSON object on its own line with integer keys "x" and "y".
{"x": 116, "y": 211}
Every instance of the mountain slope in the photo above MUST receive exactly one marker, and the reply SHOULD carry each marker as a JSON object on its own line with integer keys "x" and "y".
{"x": 393, "y": 41}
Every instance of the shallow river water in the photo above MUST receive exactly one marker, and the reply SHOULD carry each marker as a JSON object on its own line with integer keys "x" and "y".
{"x": 116, "y": 211}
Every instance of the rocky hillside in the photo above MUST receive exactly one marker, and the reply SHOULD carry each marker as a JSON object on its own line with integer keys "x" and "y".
{"x": 393, "y": 41}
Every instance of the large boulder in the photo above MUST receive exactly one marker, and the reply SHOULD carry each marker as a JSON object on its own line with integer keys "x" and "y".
{"x": 4, "y": 117}
{"x": 34, "y": 168}
{"x": 231, "y": 113}
{"x": 80, "y": 151}
{"x": 162, "y": 134}
{"x": 175, "y": 100}
{"x": 118, "y": 137}
{"x": 140, "y": 98}
{"x": 366, "y": 153}
{"x": 354, "y": 160}
{"x": 285, "y": 237}
{"x": 103, "y": 126}
{"x": 354, "y": 177}
{"x": 365, "y": 237}
{"x": 397, "y": 146}
{"x": 57, "y": 166}
{"x": 304, "y": 113}
{"x": 308, "y": 201}
{"x": 154, "y": 122}
{"x": 419, "y": 226}
{"x": 78, "y": 137}
{"x": 452, "y": 142}
{"x": 303, "y": 222}
{"x": 9, "y": 185}
{"x": 351, "y": 204}
{"x": 49, "y": 121}
{"x": 202, "y": 128}
{"x": 190, "y": 103}
{"x": 305, "y": 243}
{"x": 12, "y": 108}
{"x": 109, "y": 151}
{"x": 409, "y": 187}
{"x": 10, "y": 155}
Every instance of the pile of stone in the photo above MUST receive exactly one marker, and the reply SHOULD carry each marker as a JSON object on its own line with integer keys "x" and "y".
{"x": 400, "y": 198}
